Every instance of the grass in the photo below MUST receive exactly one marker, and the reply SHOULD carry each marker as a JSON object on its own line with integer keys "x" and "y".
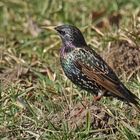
{"x": 36, "y": 100}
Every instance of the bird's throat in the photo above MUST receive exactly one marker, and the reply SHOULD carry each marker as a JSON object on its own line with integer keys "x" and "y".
{"x": 66, "y": 48}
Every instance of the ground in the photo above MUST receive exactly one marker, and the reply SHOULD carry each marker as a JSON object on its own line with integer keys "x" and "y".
{"x": 37, "y": 101}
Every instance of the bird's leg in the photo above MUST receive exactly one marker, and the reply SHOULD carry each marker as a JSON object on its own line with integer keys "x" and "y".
{"x": 81, "y": 109}
{"x": 99, "y": 96}
{"x": 79, "y": 112}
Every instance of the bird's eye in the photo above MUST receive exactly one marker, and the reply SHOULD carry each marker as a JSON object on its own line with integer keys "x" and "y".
{"x": 62, "y": 32}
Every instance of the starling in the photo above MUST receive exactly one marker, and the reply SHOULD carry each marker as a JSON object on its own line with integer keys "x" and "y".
{"x": 86, "y": 69}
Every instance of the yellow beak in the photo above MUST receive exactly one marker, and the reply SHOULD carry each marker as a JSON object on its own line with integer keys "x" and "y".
{"x": 48, "y": 27}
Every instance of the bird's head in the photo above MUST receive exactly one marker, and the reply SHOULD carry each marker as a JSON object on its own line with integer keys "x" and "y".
{"x": 71, "y": 35}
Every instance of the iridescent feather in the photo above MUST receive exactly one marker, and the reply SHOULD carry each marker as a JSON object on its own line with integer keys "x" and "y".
{"x": 85, "y": 68}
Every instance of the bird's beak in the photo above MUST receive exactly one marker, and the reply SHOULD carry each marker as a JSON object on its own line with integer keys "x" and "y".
{"x": 48, "y": 27}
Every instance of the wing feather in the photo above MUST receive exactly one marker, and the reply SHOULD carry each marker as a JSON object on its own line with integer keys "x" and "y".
{"x": 100, "y": 77}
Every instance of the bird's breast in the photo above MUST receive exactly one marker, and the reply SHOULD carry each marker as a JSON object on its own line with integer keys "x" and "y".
{"x": 68, "y": 66}
{"x": 62, "y": 52}
{"x": 75, "y": 74}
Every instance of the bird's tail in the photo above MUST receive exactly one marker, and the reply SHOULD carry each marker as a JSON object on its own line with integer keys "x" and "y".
{"x": 131, "y": 98}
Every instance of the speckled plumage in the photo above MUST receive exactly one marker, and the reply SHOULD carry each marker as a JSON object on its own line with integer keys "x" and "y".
{"x": 85, "y": 68}
{"x": 74, "y": 73}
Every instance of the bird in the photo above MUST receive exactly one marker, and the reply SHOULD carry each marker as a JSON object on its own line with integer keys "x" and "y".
{"x": 86, "y": 68}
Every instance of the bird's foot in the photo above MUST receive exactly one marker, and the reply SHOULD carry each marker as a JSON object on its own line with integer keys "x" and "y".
{"x": 79, "y": 112}
{"x": 97, "y": 98}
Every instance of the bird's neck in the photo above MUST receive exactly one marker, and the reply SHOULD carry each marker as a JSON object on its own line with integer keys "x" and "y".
{"x": 67, "y": 47}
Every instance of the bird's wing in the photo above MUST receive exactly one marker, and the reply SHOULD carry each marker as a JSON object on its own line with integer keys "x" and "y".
{"x": 97, "y": 70}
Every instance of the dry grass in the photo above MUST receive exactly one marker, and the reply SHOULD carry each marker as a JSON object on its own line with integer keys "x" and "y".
{"x": 36, "y": 100}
